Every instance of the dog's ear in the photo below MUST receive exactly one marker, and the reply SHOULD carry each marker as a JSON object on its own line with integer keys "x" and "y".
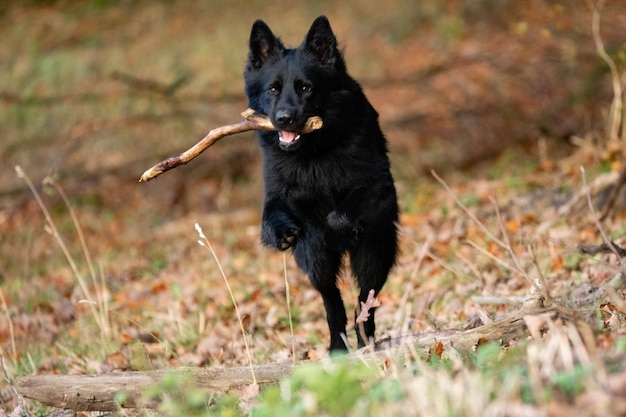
{"x": 322, "y": 42}
{"x": 263, "y": 44}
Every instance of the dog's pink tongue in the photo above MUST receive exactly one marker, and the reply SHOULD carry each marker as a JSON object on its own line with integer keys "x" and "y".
{"x": 288, "y": 137}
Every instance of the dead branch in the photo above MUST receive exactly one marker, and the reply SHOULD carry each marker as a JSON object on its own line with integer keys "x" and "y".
{"x": 142, "y": 84}
{"x": 97, "y": 392}
{"x": 502, "y": 331}
{"x": 595, "y": 188}
{"x": 610, "y": 247}
{"x": 610, "y": 202}
{"x": 253, "y": 121}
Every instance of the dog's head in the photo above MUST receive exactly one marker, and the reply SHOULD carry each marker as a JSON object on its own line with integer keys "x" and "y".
{"x": 291, "y": 85}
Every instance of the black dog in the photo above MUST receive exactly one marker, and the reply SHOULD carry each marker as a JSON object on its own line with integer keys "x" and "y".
{"x": 329, "y": 192}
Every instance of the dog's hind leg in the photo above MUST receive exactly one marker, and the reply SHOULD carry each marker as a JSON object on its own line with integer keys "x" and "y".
{"x": 371, "y": 260}
{"x": 322, "y": 266}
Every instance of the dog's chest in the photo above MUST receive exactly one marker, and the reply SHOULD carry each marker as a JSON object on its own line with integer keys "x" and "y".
{"x": 313, "y": 183}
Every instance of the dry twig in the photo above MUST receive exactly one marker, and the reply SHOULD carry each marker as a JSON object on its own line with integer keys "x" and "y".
{"x": 253, "y": 121}
{"x": 610, "y": 202}
{"x": 610, "y": 247}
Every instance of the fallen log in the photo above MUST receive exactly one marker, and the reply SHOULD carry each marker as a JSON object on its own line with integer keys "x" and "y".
{"x": 253, "y": 121}
{"x": 98, "y": 392}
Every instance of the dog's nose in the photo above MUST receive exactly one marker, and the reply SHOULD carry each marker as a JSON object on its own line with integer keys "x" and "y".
{"x": 284, "y": 118}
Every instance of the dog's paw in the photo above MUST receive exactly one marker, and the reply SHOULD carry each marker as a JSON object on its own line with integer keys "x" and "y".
{"x": 340, "y": 231}
{"x": 281, "y": 236}
{"x": 288, "y": 240}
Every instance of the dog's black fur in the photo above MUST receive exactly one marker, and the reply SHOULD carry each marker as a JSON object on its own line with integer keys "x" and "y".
{"x": 329, "y": 192}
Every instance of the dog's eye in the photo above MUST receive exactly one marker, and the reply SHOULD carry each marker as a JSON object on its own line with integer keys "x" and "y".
{"x": 273, "y": 90}
{"x": 305, "y": 88}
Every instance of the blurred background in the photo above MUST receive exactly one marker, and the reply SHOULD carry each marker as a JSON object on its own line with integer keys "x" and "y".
{"x": 93, "y": 93}
{"x": 97, "y": 91}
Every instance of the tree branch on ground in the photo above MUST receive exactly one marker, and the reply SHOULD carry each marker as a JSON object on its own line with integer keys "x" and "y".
{"x": 610, "y": 202}
{"x": 610, "y": 247}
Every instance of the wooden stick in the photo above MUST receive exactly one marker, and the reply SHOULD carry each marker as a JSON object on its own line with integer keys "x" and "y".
{"x": 610, "y": 247}
{"x": 253, "y": 121}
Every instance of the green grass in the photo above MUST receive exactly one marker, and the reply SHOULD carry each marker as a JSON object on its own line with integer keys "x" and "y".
{"x": 483, "y": 384}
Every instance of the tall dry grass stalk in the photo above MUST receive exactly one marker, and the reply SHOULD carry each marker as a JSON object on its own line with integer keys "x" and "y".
{"x": 98, "y": 304}
{"x": 7, "y": 313}
{"x": 617, "y": 111}
{"x": 288, "y": 299}
{"x": 204, "y": 242}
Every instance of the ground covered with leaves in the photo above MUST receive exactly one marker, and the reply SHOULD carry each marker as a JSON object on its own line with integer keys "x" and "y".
{"x": 509, "y": 105}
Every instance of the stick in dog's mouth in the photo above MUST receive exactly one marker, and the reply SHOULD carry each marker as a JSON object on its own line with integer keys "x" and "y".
{"x": 253, "y": 121}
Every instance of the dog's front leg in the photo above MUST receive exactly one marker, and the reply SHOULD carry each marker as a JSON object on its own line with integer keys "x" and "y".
{"x": 279, "y": 228}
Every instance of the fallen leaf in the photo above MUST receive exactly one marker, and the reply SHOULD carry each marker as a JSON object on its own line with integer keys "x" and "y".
{"x": 311, "y": 355}
{"x": 370, "y": 303}
{"x": 512, "y": 226}
{"x": 117, "y": 361}
{"x": 437, "y": 349}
